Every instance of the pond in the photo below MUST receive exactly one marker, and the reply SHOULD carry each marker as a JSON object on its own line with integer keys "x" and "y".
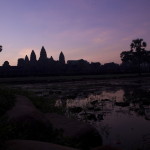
{"x": 118, "y": 109}
{"x": 122, "y": 118}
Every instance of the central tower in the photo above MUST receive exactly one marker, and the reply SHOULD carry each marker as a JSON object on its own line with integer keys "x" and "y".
{"x": 43, "y": 55}
{"x": 62, "y": 58}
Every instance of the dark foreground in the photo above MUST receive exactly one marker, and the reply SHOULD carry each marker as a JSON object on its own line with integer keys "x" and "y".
{"x": 117, "y": 108}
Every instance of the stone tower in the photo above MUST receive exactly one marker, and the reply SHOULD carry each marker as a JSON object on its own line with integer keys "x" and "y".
{"x": 6, "y": 64}
{"x": 51, "y": 59}
{"x": 20, "y": 62}
{"x": 43, "y": 55}
{"x": 26, "y": 60}
{"x": 62, "y": 58}
{"x": 33, "y": 57}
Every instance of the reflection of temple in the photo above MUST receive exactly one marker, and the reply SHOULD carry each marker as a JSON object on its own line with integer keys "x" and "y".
{"x": 48, "y": 66}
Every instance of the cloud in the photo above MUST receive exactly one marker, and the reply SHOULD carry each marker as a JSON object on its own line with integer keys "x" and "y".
{"x": 86, "y": 36}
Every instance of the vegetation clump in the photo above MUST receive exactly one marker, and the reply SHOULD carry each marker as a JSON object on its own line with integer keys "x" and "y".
{"x": 29, "y": 129}
{"x": 7, "y": 100}
{"x": 137, "y": 57}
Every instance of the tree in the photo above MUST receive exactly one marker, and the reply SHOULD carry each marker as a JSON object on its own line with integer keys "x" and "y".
{"x": 137, "y": 55}
{"x": 1, "y": 48}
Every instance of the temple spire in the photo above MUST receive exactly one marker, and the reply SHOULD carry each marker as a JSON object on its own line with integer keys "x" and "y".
{"x": 62, "y": 58}
{"x": 43, "y": 55}
{"x": 51, "y": 58}
{"x": 26, "y": 59}
{"x": 33, "y": 56}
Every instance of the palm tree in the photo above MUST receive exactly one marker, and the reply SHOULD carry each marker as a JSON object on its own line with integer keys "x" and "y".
{"x": 138, "y": 47}
{"x": 136, "y": 55}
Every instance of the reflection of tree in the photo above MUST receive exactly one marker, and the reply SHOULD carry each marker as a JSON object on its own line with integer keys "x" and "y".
{"x": 106, "y": 129}
{"x": 127, "y": 97}
{"x": 138, "y": 98}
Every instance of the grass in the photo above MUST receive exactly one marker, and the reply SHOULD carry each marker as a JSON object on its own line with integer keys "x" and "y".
{"x": 7, "y": 100}
{"x": 34, "y": 130}
{"x": 44, "y": 104}
{"x": 48, "y": 79}
{"x": 26, "y": 130}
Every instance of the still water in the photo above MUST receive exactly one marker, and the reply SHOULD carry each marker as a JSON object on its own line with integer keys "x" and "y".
{"x": 118, "y": 109}
{"x": 121, "y": 116}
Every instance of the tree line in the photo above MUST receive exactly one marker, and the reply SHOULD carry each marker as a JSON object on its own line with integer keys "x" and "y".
{"x": 137, "y": 57}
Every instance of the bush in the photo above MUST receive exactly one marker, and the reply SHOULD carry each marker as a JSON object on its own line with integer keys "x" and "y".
{"x": 7, "y": 100}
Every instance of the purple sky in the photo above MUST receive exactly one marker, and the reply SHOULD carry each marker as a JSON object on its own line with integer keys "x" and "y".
{"x": 95, "y": 30}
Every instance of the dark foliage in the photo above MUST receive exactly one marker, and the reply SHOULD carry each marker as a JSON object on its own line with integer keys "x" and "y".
{"x": 137, "y": 58}
{"x": 7, "y": 100}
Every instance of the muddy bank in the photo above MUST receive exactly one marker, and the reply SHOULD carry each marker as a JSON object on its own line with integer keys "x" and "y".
{"x": 31, "y": 124}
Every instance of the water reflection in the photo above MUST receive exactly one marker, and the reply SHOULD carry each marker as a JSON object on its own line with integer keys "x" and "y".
{"x": 120, "y": 110}
{"x": 121, "y": 116}
{"x": 135, "y": 100}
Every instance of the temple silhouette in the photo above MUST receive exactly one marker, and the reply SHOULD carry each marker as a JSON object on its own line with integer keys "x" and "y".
{"x": 48, "y": 66}
{"x": 44, "y": 66}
